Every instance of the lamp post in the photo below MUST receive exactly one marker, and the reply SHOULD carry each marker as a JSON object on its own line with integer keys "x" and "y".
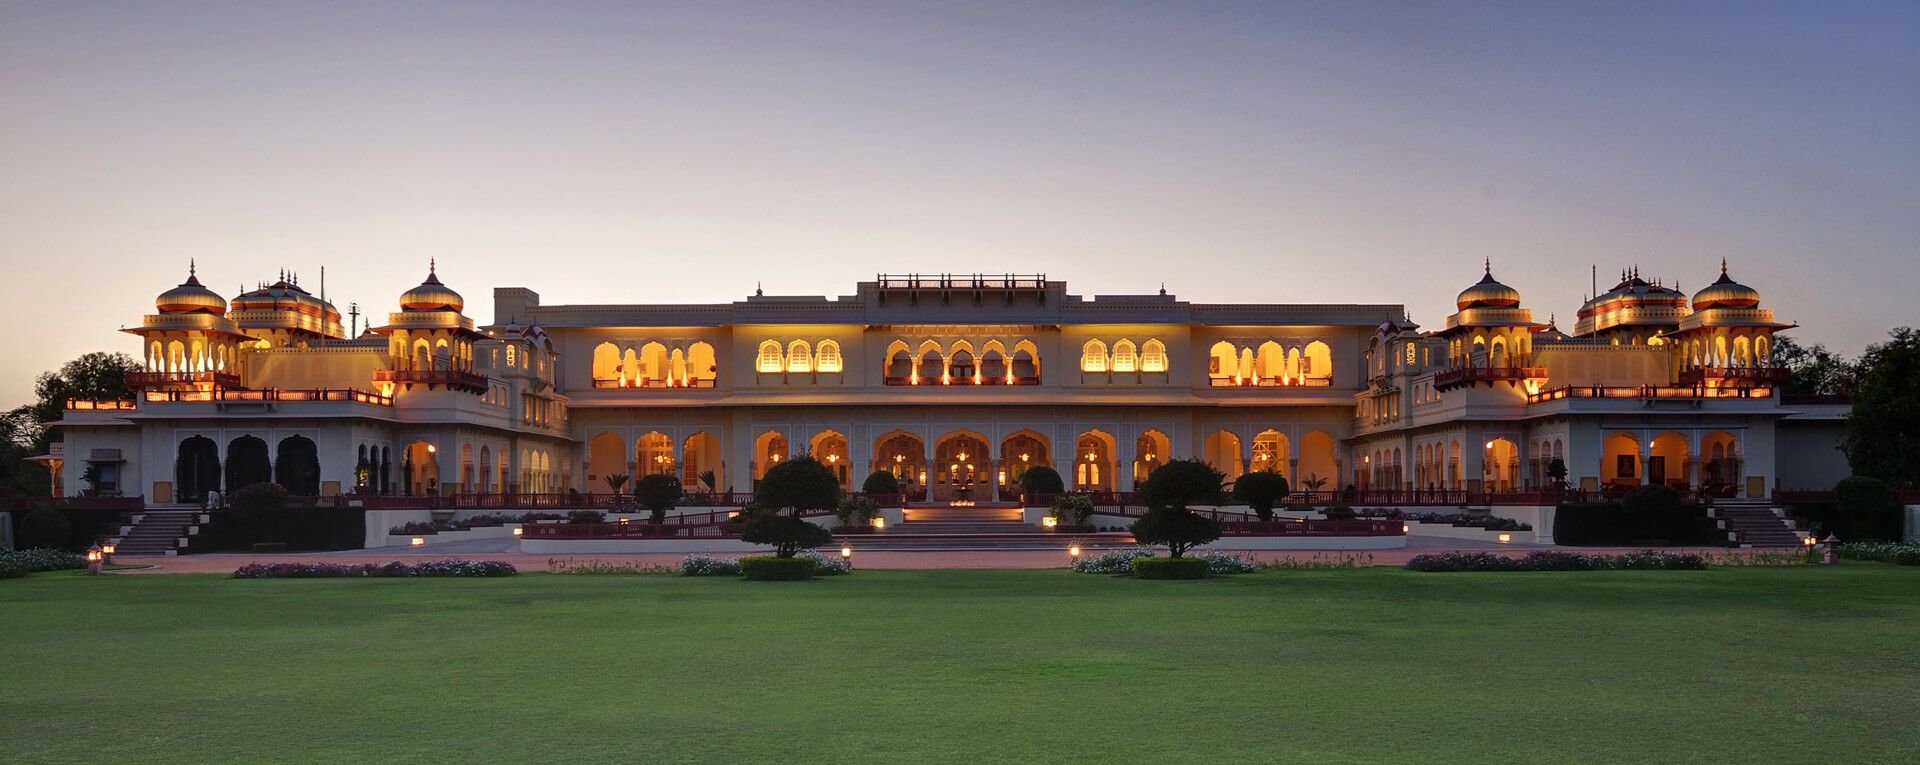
{"x": 1073, "y": 554}
{"x": 846, "y": 555}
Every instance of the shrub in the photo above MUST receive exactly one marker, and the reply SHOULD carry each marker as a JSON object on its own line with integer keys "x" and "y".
{"x": 12, "y": 569}
{"x": 452, "y": 567}
{"x": 1041, "y": 479}
{"x": 586, "y": 516}
{"x": 787, "y": 534}
{"x": 1073, "y": 509}
{"x": 800, "y": 484}
{"x": 1553, "y": 560}
{"x": 46, "y": 527}
{"x": 880, "y": 482}
{"x": 1338, "y": 513}
{"x": 1178, "y": 528}
{"x": 1182, "y": 483}
{"x": 601, "y": 568}
{"x": 707, "y": 565}
{"x": 44, "y": 559}
{"x": 1261, "y": 490}
{"x": 657, "y": 493}
{"x": 1888, "y": 552}
{"x": 1228, "y": 563}
{"x": 857, "y": 511}
{"x": 826, "y": 565}
{"x": 1113, "y": 562}
{"x": 762, "y": 568}
{"x": 1170, "y": 568}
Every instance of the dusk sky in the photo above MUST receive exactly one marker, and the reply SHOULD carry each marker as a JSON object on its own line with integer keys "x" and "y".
{"x": 1239, "y": 152}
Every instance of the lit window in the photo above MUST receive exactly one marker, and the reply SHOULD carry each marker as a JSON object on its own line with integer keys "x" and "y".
{"x": 799, "y": 357}
{"x": 1409, "y": 354}
{"x": 829, "y": 361}
{"x": 1093, "y": 357}
{"x": 1153, "y": 358}
{"x": 510, "y": 359}
{"x": 769, "y": 357}
{"x": 1123, "y": 359}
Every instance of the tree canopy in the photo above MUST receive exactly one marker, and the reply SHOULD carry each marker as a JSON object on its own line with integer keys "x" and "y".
{"x": 1814, "y": 369}
{"x": 1183, "y": 483}
{"x": 1880, "y": 431}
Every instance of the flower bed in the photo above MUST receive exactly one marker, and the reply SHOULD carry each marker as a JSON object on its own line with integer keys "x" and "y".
{"x": 448, "y": 567}
{"x": 708, "y": 565}
{"x": 1887, "y": 552}
{"x": 1121, "y": 562}
{"x": 1551, "y": 560}
{"x": 1488, "y": 522}
{"x": 43, "y": 559}
{"x": 488, "y": 520}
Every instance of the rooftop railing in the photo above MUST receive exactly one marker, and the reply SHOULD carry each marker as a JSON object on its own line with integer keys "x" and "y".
{"x": 1646, "y": 392}
{"x": 266, "y": 395}
{"x": 451, "y": 377}
{"x": 962, "y": 281}
{"x": 150, "y": 379}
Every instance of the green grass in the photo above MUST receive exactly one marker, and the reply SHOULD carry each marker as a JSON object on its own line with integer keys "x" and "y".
{"x": 1728, "y": 665}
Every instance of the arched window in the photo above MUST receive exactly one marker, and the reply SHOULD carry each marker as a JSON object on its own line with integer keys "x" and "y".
{"x": 962, "y": 365}
{"x": 829, "y": 361}
{"x": 1153, "y": 357}
{"x": 606, "y": 362}
{"x": 901, "y": 365}
{"x": 1123, "y": 357}
{"x": 1093, "y": 356}
{"x": 769, "y": 362}
{"x": 799, "y": 356}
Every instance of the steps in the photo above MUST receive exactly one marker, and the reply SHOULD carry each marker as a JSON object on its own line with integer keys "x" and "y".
{"x": 155, "y": 532}
{"x": 1041, "y": 540}
{"x": 1755, "y": 523}
{"x": 942, "y": 513}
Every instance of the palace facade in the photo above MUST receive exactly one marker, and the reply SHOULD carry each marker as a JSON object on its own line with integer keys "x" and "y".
{"x": 955, "y": 384}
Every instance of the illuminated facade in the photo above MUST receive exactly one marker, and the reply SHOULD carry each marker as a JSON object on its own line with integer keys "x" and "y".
{"x": 955, "y": 384}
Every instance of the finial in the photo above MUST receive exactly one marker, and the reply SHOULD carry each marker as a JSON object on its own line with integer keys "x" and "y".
{"x": 433, "y": 266}
{"x": 1487, "y": 263}
{"x": 1723, "y": 266}
{"x": 193, "y": 269}
{"x": 757, "y": 292}
{"x": 1163, "y": 288}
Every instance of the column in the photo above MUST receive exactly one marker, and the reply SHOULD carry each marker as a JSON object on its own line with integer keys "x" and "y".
{"x": 927, "y": 467}
{"x": 1646, "y": 453}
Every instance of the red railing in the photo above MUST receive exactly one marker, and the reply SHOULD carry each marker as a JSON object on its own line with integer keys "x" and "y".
{"x": 125, "y": 504}
{"x": 960, "y": 382}
{"x": 268, "y": 394}
{"x": 1644, "y": 392}
{"x": 1469, "y": 375}
{"x": 1272, "y": 382}
{"x": 146, "y": 379}
{"x": 567, "y": 500}
{"x": 1700, "y": 375}
{"x": 450, "y": 377}
{"x": 1314, "y": 527}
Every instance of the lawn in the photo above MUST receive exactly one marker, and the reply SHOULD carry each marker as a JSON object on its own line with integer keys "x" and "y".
{"x": 1727, "y": 665}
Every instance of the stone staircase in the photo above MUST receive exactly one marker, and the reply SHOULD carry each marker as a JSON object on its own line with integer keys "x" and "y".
{"x": 1755, "y": 523}
{"x": 155, "y": 532}
{"x": 976, "y": 529}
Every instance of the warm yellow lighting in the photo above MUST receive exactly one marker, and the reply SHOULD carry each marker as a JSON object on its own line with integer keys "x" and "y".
{"x": 732, "y": 514}
{"x": 962, "y": 456}
{"x": 880, "y": 523}
{"x": 1050, "y": 521}
{"x": 1489, "y": 444}
{"x": 898, "y": 458}
{"x": 623, "y": 521}
{"x": 517, "y": 531}
{"x": 774, "y": 457}
{"x": 1505, "y": 538}
{"x": 1406, "y": 528}
{"x": 833, "y": 458}
{"x": 846, "y": 552}
{"x": 1023, "y": 456}
{"x": 431, "y": 448}
{"x": 107, "y": 548}
{"x": 417, "y": 541}
{"x": 1807, "y": 540}
{"x": 93, "y": 556}
{"x": 1074, "y": 552}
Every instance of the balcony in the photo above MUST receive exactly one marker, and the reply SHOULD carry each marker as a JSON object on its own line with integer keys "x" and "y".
{"x": 1272, "y": 382}
{"x": 1739, "y": 376}
{"x": 958, "y": 382}
{"x": 1647, "y": 392}
{"x": 157, "y": 379}
{"x": 269, "y": 395}
{"x": 644, "y": 384}
{"x": 1455, "y": 378}
{"x": 452, "y": 378}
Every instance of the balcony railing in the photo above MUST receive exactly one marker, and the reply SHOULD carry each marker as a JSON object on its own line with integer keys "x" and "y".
{"x": 151, "y": 379}
{"x": 962, "y": 281}
{"x": 267, "y": 395}
{"x": 1272, "y": 382}
{"x": 1645, "y": 392}
{"x": 109, "y": 405}
{"x": 619, "y": 384}
{"x": 961, "y": 382}
{"x": 1454, "y": 378}
{"x": 1734, "y": 375}
{"x": 452, "y": 378}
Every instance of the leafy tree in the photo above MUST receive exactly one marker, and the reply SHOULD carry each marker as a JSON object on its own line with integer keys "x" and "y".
{"x": 708, "y": 479}
{"x": 1859, "y": 495}
{"x": 1261, "y": 490}
{"x": 880, "y": 482}
{"x": 1880, "y": 440}
{"x": 657, "y": 493}
{"x": 256, "y": 505}
{"x": 22, "y": 436}
{"x": 1169, "y": 493}
{"x": 1813, "y": 370}
{"x": 798, "y": 486}
{"x": 96, "y": 375}
{"x": 614, "y": 482}
{"x": 857, "y": 511}
{"x": 1074, "y": 509}
{"x": 1041, "y": 479}
{"x": 46, "y": 527}
{"x": 1557, "y": 470}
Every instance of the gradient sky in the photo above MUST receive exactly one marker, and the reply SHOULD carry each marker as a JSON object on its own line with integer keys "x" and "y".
{"x": 1240, "y": 152}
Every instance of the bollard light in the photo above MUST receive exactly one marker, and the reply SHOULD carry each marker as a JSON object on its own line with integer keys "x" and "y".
{"x": 846, "y": 552}
{"x": 106, "y": 551}
{"x": 93, "y": 559}
{"x": 1049, "y": 521}
{"x": 1073, "y": 552}
{"x": 417, "y": 541}
{"x": 1406, "y": 528}
{"x": 1808, "y": 540}
{"x": 880, "y": 524}
{"x": 1505, "y": 537}
{"x": 517, "y": 531}
{"x": 1832, "y": 554}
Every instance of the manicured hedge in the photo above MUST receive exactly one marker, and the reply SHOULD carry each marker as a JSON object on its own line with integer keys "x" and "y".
{"x": 766, "y": 568}
{"x": 1885, "y": 524}
{"x": 1170, "y": 568}
{"x": 1888, "y": 552}
{"x": 299, "y": 528}
{"x": 437, "y": 568}
{"x": 1608, "y": 524}
{"x": 84, "y": 526}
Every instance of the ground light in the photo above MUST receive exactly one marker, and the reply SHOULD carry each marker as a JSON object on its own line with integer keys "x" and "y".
{"x": 93, "y": 559}
{"x": 846, "y": 555}
{"x": 517, "y": 531}
{"x": 106, "y": 551}
{"x": 416, "y": 542}
{"x": 1049, "y": 521}
{"x": 1073, "y": 553}
{"x": 1505, "y": 537}
{"x": 879, "y": 524}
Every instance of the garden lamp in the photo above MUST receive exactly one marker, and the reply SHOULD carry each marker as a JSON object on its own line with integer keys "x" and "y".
{"x": 93, "y": 559}
{"x": 106, "y": 550}
{"x": 1073, "y": 552}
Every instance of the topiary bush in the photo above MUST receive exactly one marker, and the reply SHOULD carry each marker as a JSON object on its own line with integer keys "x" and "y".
{"x": 1169, "y": 492}
{"x": 787, "y": 534}
{"x": 46, "y": 527}
{"x": 657, "y": 493}
{"x": 880, "y": 482}
{"x": 586, "y": 516}
{"x": 765, "y": 568}
{"x": 1171, "y": 568}
{"x": 1864, "y": 509}
{"x": 1073, "y": 510}
{"x": 696, "y": 564}
{"x": 1261, "y": 490}
{"x": 1041, "y": 479}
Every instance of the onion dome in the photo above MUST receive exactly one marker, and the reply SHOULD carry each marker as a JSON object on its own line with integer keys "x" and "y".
{"x": 191, "y": 297}
{"x": 431, "y": 295}
{"x": 1724, "y": 292}
{"x": 1489, "y": 293}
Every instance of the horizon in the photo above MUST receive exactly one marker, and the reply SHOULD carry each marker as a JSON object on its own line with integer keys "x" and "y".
{"x": 618, "y": 155}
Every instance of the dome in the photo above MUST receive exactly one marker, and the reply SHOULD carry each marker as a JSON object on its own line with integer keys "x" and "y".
{"x": 1489, "y": 293}
{"x": 431, "y": 295}
{"x": 1724, "y": 292}
{"x": 190, "y": 296}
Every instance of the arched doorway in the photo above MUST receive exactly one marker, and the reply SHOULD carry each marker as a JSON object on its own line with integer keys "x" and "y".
{"x": 1272, "y": 453}
{"x": 961, "y": 462}
{"x": 1020, "y": 451}
{"x": 1093, "y": 462}
{"x": 1668, "y": 463}
{"x": 768, "y": 450}
{"x": 420, "y": 469}
{"x": 830, "y": 449}
{"x": 653, "y": 455}
{"x": 1720, "y": 463}
{"x": 700, "y": 463}
{"x": 1620, "y": 461}
{"x": 296, "y": 466}
{"x": 904, "y": 455}
{"x": 1222, "y": 451}
{"x": 196, "y": 470}
{"x": 1318, "y": 464}
{"x": 247, "y": 463}
{"x": 1500, "y": 466}
{"x": 1150, "y": 451}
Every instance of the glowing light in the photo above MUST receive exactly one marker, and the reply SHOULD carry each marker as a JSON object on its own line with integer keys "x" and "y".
{"x": 517, "y": 531}
{"x": 846, "y": 552}
{"x": 417, "y": 541}
{"x": 1050, "y": 521}
{"x": 1406, "y": 528}
{"x": 431, "y": 448}
{"x": 1505, "y": 538}
{"x": 880, "y": 524}
{"x": 1074, "y": 552}
{"x": 108, "y": 548}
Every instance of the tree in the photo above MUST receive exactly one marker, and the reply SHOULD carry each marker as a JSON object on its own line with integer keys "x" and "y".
{"x": 614, "y": 482}
{"x": 1879, "y": 439}
{"x": 254, "y": 506}
{"x": 1557, "y": 470}
{"x": 1041, "y": 479}
{"x": 1169, "y": 493}
{"x": 797, "y": 486}
{"x": 709, "y": 480}
{"x": 1261, "y": 490}
{"x": 97, "y": 375}
{"x": 21, "y": 437}
{"x": 657, "y": 493}
{"x": 1813, "y": 370}
{"x": 46, "y": 527}
{"x": 1860, "y": 495}
{"x": 880, "y": 482}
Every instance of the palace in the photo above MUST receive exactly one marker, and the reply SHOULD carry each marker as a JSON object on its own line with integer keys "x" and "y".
{"x": 956, "y": 384}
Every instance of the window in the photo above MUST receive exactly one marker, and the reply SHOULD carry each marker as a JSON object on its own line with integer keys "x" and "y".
{"x": 1123, "y": 358}
{"x": 510, "y": 356}
{"x": 1409, "y": 354}
{"x": 1093, "y": 356}
{"x": 769, "y": 358}
{"x": 829, "y": 361}
{"x": 799, "y": 357}
{"x": 1153, "y": 357}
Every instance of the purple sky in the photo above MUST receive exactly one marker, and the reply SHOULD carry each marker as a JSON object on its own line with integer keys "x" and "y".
{"x": 1285, "y": 152}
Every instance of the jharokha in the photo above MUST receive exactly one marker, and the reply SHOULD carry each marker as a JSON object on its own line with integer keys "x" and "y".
{"x": 956, "y": 384}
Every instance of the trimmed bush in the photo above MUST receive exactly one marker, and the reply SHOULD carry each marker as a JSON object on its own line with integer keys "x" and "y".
{"x": 12, "y": 569}
{"x": 44, "y": 559}
{"x": 1041, "y": 479}
{"x": 1591, "y": 524}
{"x": 787, "y": 534}
{"x": 880, "y": 482}
{"x": 827, "y": 565}
{"x": 586, "y": 516}
{"x": 1261, "y": 490}
{"x": 766, "y": 568}
{"x": 1171, "y": 568}
{"x": 1887, "y": 552}
{"x": 1338, "y": 513}
{"x": 657, "y": 493}
{"x": 1073, "y": 510}
{"x": 1553, "y": 560}
{"x": 46, "y": 527}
